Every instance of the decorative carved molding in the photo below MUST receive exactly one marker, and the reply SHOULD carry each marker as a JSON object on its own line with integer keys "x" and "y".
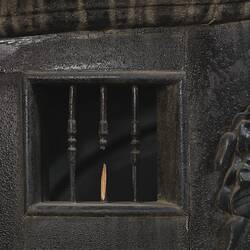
{"x": 18, "y": 17}
{"x": 234, "y": 156}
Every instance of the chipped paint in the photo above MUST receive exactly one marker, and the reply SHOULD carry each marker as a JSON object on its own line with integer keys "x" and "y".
{"x": 82, "y": 14}
{"x": 28, "y": 20}
{"x": 3, "y": 11}
{"x": 187, "y": 224}
{"x": 150, "y": 13}
{"x": 43, "y": 18}
{"x": 131, "y": 12}
{"x": 40, "y": 16}
{"x": 13, "y": 7}
{"x": 112, "y": 12}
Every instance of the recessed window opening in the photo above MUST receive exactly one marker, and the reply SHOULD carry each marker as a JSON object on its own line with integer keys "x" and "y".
{"x": 97, "y": 143}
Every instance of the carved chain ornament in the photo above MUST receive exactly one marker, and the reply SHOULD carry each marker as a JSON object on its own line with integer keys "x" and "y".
{"x": 234, "y": 156}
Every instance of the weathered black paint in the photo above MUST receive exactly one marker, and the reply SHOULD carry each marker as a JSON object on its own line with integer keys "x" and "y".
{"x": 160, "y": 81}
{"x": 72, "y": 141}
{"x": 215, "y": 88}
{"x": 18, "y": 17}
{"x": 233, "y": 158}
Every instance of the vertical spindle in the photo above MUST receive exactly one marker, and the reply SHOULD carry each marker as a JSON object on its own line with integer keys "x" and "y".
{"x": 72, "y": 142}
{"x": 103, "y": 135}
{"x": 135, "y": 139}
{"x": 103, "y": 124}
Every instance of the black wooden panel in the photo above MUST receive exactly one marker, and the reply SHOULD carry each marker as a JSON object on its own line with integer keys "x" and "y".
{"x": 216, "y": 60}
{"x": 169, "y": 139}
{"x": 105, "y": 233}
{"x": 113, "y": 50}
{"x": 218, "y": 88}
{"x": 11, "y": 162}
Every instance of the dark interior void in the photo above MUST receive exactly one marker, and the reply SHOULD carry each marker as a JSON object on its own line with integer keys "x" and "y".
{"x": 52, "y": 102}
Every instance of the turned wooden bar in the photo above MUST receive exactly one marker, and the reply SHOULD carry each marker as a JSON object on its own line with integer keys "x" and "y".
{"x": 72, "y": 142}
{"x": 135, "y": 140}
{"x": 103, "y": 134}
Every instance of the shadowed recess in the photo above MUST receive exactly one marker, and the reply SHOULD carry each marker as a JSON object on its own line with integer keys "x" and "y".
{"x": 53, "y": 111}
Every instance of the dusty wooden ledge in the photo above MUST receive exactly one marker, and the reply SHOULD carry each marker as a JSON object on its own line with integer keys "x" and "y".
{"x": 104, "y": 209}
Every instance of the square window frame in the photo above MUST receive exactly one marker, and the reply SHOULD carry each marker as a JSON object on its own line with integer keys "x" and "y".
{"x": 33, "y": 198}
